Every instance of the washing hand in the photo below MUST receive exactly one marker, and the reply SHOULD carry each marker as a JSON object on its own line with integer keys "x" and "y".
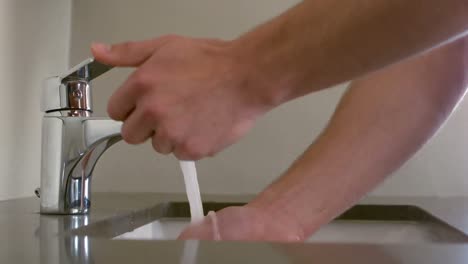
{"x": 192, "y": 97}
{"x": 242, "y": 224}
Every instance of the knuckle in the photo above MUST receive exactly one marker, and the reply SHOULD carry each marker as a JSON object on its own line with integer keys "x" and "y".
{"x": 179, "y": 154}
{"x": 147, "y": 112}
{"x": 161, "y": 146}
{"x": 110, "y": 111}
{"x": 172, "y": 135}
{"x": 127, "y": 135}
{"x": 211, "y": 153}
{"x": 154, "y": 112}
{"x": 161, "y": 133}
{"x": 191, "y": 151}
{"x": 157, "y": 142}
{"x": 124, "y": 46}
{"x": 141, "y": 81}
{"x": 167, "y": 135}
{"x": 113, "y": 111}
{"x": 158, "y": 139}
{"x": 241, "y": 129}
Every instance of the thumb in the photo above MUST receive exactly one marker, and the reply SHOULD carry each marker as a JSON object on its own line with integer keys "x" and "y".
{"x": 127, "y": 54}
{"x": 198, "y": 231}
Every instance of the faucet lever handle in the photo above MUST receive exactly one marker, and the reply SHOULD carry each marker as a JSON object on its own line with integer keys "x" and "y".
{"x": 71, "y": 90}
{"x": 87, "y": 70}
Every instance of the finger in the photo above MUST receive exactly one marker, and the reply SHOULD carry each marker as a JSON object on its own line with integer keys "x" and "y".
{"x": 122, "y": 102}
{"x": 124, "y": 99}
{"x": 215, "y": 226}
{"x": 136, "y": 128}
{"x": 128, "y": 54}
{"x": 183, "y": 153}
{"x": 189, "y": 149}
{"x": 200, "y": 231}
{"x": 161, "y": 143}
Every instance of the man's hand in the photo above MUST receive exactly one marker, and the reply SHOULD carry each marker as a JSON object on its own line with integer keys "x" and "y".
{"x": 190, "y": 96}
{"x": 244, "y": 224}
{"x": 396, "y": 109}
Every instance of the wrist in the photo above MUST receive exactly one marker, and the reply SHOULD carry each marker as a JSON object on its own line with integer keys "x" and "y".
{"x": 297, "y": 196}
{"x": 259, "y": 66}
{"x": 277, "y": 223}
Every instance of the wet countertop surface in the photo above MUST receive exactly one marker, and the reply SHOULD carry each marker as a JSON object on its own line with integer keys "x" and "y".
{"x": 28, "y": 237}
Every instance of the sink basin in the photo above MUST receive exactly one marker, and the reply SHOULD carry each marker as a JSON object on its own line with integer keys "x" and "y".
{"x": 360, "y": 224}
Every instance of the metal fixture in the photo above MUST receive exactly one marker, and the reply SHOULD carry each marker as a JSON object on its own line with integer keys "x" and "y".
{"x": 72, "y": 140}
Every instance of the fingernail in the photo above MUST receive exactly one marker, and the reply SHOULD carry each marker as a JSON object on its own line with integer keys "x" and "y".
{"x": 101, "y": 47}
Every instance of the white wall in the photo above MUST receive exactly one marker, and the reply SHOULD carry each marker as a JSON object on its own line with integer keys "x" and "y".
{"x": 34, "y": 41}
{"x": 278, "y": 137}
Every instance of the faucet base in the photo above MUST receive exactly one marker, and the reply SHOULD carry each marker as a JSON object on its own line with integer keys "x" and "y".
{"x": 70, "y": 150}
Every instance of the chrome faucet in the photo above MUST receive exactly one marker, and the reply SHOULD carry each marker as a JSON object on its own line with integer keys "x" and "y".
{"x": 72, "y": 140}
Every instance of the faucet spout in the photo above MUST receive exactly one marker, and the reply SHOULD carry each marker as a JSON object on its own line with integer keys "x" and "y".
{"x": 71, "y": 148}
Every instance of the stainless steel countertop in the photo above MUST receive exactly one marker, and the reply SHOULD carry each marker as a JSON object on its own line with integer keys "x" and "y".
{"x": 28, "y": 237}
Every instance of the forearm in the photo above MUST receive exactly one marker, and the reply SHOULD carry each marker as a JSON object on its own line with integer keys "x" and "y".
{"x": 380, "y": 122}
{"x": 320, "y": 43}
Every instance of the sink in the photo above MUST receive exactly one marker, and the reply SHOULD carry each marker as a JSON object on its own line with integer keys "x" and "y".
{"x": 359, "y": 224}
